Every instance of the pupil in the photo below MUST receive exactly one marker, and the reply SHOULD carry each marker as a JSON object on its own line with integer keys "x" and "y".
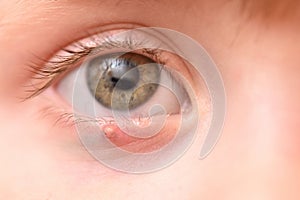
{"x": 124, "y": 76}
{"x": 123, "y": 84}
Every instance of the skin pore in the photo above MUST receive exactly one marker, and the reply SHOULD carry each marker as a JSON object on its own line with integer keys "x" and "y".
{"x": 256, "y": 49}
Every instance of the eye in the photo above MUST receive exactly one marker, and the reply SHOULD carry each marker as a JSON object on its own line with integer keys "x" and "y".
{"x": 128, "y": 74}
{"x": 133, "y": 95}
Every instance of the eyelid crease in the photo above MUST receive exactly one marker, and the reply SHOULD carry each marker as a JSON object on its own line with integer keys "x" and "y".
{"x": 72, "y": 55}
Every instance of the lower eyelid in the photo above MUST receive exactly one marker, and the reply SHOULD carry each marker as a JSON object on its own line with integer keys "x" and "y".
{"x": 56, "y": 110}
{"x": 142, "y": 145}
{"x": 61, "y": 115}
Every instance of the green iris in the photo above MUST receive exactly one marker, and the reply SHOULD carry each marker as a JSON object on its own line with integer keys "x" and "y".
{"x": 123, "y": 81}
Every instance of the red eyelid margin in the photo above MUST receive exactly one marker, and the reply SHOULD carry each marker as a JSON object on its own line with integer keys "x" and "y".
{"x": 143, "y": 145}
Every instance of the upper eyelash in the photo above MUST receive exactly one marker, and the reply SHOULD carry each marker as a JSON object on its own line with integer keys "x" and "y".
{"x": 60, "y": 64}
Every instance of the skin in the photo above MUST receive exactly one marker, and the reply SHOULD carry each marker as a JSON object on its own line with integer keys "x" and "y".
{"x": 257, "y": 156}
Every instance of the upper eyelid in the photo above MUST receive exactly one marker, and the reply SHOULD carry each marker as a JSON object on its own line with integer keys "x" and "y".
{"x": 71, "y": 55}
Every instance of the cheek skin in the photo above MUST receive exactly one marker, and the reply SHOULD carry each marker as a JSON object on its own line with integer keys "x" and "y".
{"x": 262, "y": 83}
{"x": 56, "y": 163}
{"x": 51, "y": 157}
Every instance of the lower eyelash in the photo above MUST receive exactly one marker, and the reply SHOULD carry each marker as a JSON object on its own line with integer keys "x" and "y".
{"x": 66, "y": 119}
{"x": 121, "y": 139}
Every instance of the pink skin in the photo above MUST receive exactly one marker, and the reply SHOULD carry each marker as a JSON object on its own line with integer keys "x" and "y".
{"x": 257, "y": 156}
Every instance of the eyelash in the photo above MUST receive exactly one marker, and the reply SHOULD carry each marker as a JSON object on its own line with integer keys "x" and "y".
{"x": 59, "y": 65}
